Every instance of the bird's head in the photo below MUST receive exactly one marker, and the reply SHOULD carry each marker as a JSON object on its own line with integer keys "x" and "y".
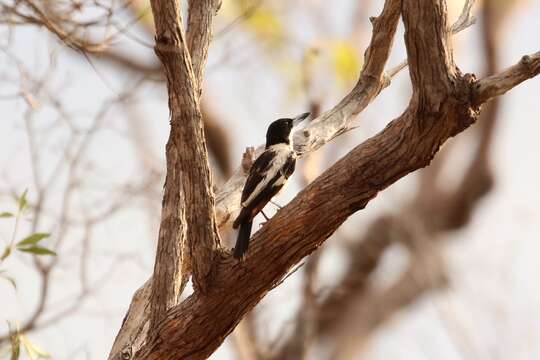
{"x": 279, "y": 131}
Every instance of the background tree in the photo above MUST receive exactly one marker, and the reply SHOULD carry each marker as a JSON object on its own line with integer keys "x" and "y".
{"x": 315, "y": 74}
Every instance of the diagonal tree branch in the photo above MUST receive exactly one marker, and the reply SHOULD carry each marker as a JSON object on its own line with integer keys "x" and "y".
{"x": 499, "y": 84}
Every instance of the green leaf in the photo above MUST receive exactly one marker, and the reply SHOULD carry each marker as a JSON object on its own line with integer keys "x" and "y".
{"x": 22, "y": 202}
{"x": 32, "y": 239}
{"x": 37, "y": 250}
{"x": 6, "y": 214}
{"x": 6, "y": 253}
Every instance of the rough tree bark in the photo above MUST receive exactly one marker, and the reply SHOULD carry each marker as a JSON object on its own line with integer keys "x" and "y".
{"x": 188, "y": 236}
{"x": 444, "y": 103}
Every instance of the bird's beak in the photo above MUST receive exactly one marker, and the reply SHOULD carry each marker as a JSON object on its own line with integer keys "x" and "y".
{"x": 297, "y": 120}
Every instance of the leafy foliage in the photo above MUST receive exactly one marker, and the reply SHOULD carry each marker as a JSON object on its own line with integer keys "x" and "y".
{"x": 29, "y": 244}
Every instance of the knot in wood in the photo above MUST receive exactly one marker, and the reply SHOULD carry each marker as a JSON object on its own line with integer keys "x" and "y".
{"x": 126, "y": 353}
{"x": 166, "y": 44}
{"x": 526, "y": 60}
{"x": 163, "y": 50}
{"x": 469, "y": 86}
{"x": 469, "y": 78}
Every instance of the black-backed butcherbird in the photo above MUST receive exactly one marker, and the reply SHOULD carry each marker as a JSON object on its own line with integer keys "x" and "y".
{"x": 266, "y": 178}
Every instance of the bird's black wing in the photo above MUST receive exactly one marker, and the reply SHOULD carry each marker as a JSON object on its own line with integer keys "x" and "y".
{"x": 272, "y": 186}
{"x": 289, "y": 166}
{"x": 267, "y": 176}
{"x": 257, "y": 172}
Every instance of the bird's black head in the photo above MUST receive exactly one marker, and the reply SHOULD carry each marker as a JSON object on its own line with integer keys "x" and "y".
{"x": 280, "y": 130}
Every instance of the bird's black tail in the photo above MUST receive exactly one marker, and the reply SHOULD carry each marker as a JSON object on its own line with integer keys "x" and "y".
{"x": 242, "y": 241}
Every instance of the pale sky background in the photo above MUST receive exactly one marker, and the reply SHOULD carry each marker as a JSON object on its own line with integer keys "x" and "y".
{"x": 493, "y": 263}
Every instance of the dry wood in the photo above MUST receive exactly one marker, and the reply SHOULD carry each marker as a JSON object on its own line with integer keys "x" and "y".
{"x": 187, "y": 235}
{"x": 499, "y": 84}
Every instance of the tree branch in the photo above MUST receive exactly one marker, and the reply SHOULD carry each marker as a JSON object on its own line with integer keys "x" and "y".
{"x": 199, "y": 34}
{"x": 187, "y": 235}
{"x": 431, "y": 65}
{"x": 498, "y": 84}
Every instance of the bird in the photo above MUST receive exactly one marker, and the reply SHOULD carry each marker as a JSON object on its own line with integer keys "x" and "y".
{"x": 266, "y": 177}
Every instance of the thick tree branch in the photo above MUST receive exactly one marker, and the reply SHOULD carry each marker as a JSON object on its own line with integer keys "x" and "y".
{"x": 170, "y": 267}
{"x": 187, "y": 235}
{"x": 429, "y": 51}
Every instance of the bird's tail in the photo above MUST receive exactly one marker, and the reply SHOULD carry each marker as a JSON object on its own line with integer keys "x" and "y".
{"x": 242, "y": 241}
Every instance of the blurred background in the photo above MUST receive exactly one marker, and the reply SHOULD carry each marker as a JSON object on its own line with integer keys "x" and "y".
{"x": 442, "y": 265}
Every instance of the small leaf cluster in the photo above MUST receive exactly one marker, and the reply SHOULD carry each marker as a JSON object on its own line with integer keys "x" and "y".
{"x": 30, "y": 244}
